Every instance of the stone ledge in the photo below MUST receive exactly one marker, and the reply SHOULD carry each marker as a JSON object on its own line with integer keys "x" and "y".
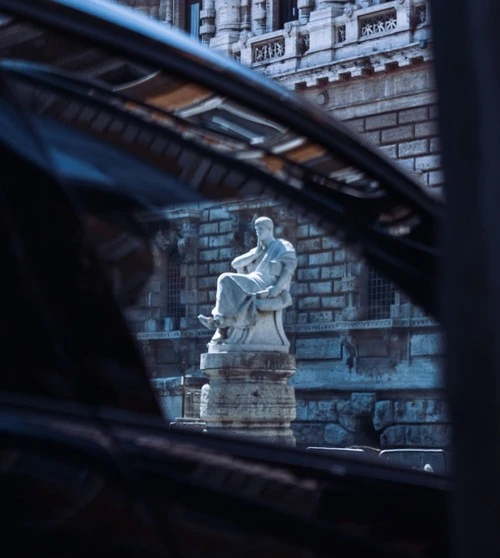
{"x": 248, "y": 364}
{"x": 304, "y": 328}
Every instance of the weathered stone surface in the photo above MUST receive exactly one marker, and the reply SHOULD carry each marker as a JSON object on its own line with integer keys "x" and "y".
{"x": 318, "y": 348}
{"x": 425, "y": 436}
{"x": 363, "y": 403}
{"x": 248, "y": 395}
{"x": 426, "y": 344}
{"x": 369, "y": 346}
{"x": 420, "y": 410}
{"x": 335, "y": 435}
{"x": 383, "y": 414}
{"x": 347, "y": 418}
{"x": 301, "y": 413}
{"x": 325, "y": 411}
{"x": 308, "y": 434}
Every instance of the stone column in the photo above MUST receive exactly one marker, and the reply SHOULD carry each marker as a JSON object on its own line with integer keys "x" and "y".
{"x": 227, "y": 25}
{"x": 249, "y": 396}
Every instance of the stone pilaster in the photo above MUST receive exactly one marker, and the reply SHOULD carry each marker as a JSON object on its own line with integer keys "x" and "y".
{"x": 227, "y": 25}
{"x": 259, "y": 16}
{"x": 207, "y": 17}
{"x": 245, "y": 23}
{"x": 304, "y": 7}
{"x": 166, "y": 11}
{"x": 248, "y": 395}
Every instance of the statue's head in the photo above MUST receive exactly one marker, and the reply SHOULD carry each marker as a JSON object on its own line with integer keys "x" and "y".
{"x": 264, "y": 228}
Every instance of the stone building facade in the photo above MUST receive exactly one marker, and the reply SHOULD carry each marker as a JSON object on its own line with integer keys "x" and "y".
{"x": 368, "y": 360}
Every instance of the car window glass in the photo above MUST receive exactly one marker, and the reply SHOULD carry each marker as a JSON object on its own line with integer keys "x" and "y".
{"x": 333, "y": 359}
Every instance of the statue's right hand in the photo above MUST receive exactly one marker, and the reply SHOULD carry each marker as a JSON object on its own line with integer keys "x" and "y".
{"x": 263, "y": 294}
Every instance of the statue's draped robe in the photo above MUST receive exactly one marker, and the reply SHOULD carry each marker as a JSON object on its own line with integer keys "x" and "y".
{"x": 235, "y": 304}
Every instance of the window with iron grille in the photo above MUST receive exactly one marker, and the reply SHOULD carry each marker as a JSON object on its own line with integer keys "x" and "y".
{"x": 174, "y": 310}
{"x": 381, "y": 295}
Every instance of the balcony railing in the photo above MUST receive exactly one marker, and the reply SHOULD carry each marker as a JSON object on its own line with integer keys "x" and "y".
{"x": 377, "y": 24}
{"x": 270, "y": 50}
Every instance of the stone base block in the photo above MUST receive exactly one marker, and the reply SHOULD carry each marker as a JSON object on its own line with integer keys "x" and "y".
{"x": 248, "y": 395}
{"x": 189, "y": 424}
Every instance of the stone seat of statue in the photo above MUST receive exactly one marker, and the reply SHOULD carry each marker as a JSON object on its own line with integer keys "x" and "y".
{"x": 267, "y": 335}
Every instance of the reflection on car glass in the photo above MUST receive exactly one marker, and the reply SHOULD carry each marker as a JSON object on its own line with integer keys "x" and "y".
{"x": 207, "y": 117}
{"x": 315, "y": 169}
{"x": 354, "y": 344}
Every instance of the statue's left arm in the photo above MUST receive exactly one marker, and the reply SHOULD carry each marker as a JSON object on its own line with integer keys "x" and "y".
{"x": 288, "y": 261}
{"x": 283, "y": 280}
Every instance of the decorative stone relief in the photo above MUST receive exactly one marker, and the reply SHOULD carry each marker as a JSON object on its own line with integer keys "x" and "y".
{"x": 322, "y": 98}
{"x": 350, "y": 9}
{"x": 380, "y": 23}
{"x": 340, "y": 34}
{"x": 351, "y": 352}
{"x": 304, "y": 43}
{"x": 270, "y": 50}
{"x": 420, "y": 14}
{"x": 180, "y": 236}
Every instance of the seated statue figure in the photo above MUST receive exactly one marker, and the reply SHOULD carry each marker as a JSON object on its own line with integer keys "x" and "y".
{"x": 256, "y": 293}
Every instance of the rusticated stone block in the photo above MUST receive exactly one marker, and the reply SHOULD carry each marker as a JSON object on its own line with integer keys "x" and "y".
{"x": 420, "y": 410}
{"x": 335, "y": 435}
{"x": 302, "y": 407}
{"x": 309, "y": 434}
{"x": 313, "y": 349}
{"x": 383, "y": 414}
{"x": 324, "y": 411}
{"x": 417, "y": 435}
{"x": 426, "y": 344}
{"x": 347, "y": 418}
{"x": 363, "y": 403}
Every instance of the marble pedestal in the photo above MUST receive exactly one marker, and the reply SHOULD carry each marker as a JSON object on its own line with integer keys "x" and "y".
{"x": 248, "y": 395}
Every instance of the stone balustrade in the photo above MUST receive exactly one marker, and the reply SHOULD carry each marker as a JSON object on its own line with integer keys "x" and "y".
{"x": 322, "y": 36}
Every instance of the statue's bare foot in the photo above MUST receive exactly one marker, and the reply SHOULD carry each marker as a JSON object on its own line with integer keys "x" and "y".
{"x": 220, "y": 335}
{"x": 208, "y": 322}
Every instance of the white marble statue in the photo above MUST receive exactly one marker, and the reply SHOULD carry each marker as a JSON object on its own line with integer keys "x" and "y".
{"x": 260, "y": 286}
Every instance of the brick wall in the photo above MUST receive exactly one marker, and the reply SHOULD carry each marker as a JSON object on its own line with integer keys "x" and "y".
{"x": 410, "y": 136}
{"x": 395, "y": 111}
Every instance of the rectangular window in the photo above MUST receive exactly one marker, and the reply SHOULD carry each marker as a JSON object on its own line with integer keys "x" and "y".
{"x": 288, "y": 11}
{"x": 381, "y": 296}
{"x": 193, "y": 18}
